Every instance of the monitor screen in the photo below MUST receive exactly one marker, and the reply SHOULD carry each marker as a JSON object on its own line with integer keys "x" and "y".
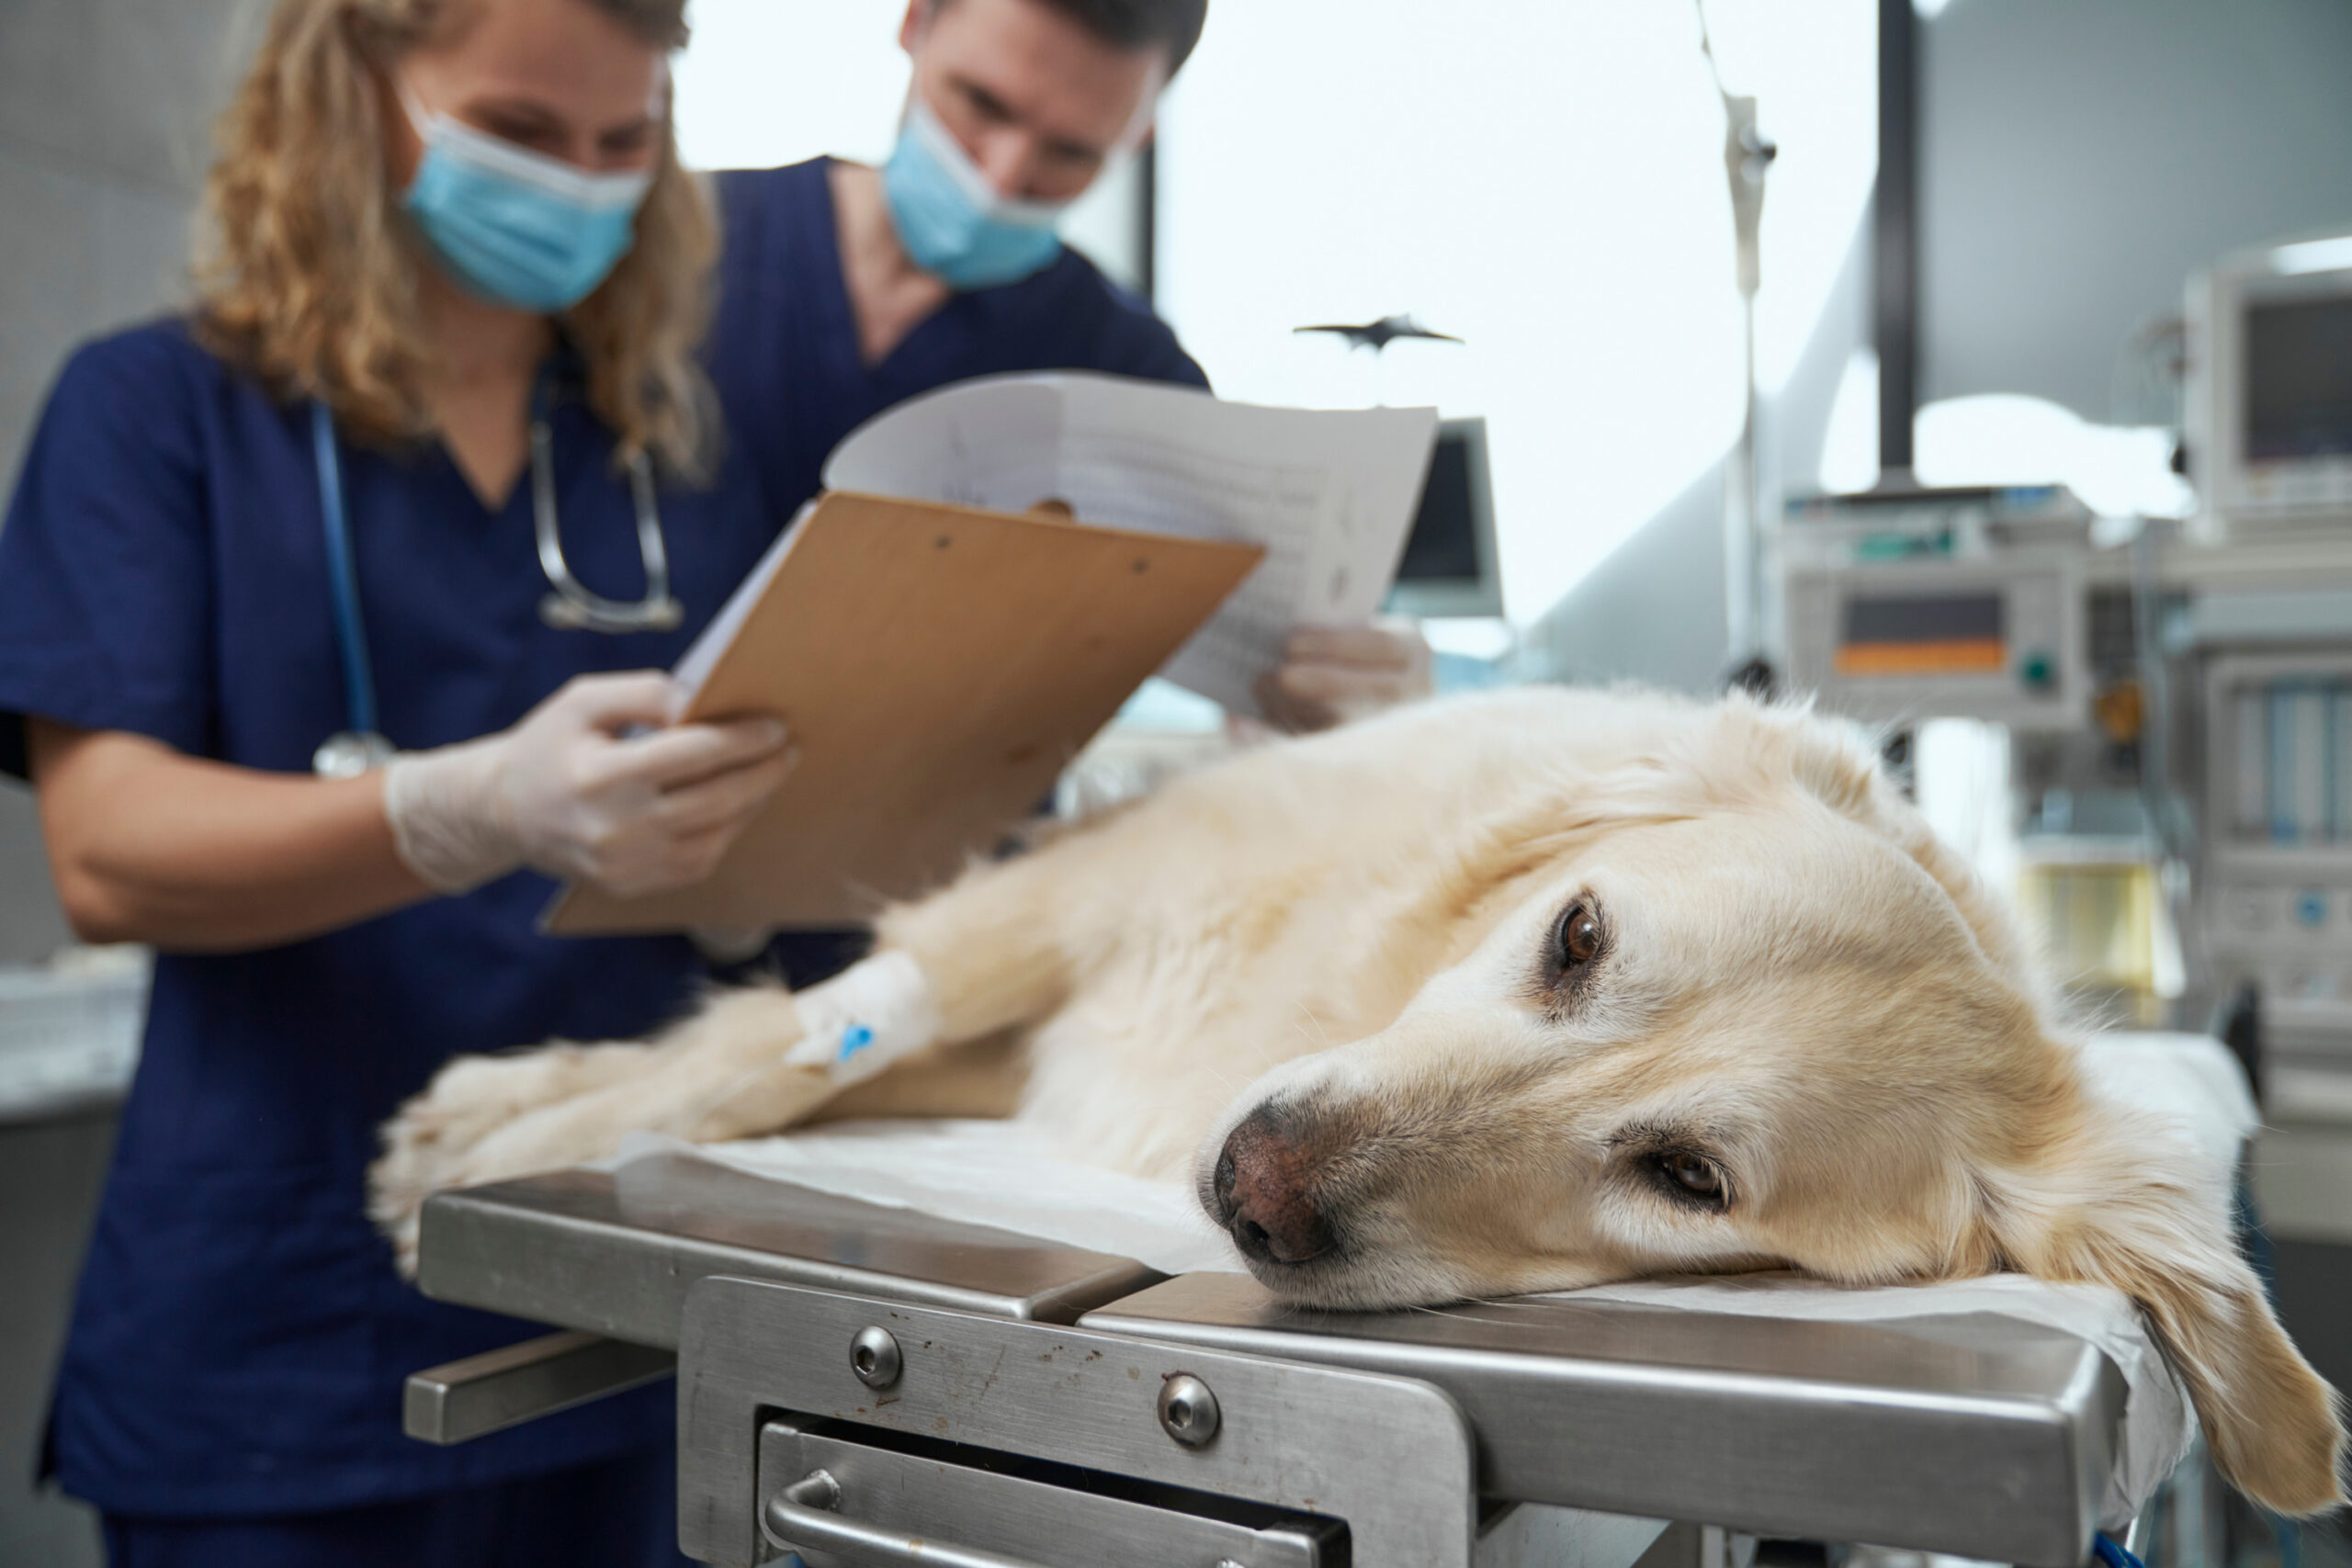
{"x": 2299, "y": 379}
{"x": 1443, "y": 545}
{"x": 1941, "y": 634}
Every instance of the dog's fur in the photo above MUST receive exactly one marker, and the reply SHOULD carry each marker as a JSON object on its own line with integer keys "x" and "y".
{"x": 1790, "y": 995}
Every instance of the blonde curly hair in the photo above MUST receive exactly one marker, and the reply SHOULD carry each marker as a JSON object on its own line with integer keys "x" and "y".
{"x": 307, "y": 273}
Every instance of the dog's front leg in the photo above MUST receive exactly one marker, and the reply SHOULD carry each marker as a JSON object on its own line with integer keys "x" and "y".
{"x": 975, "y": 960}
{"x": 586, "y": 1100}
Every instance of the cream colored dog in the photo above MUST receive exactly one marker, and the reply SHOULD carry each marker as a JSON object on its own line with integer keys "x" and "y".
{"x": 1537, "y": 990}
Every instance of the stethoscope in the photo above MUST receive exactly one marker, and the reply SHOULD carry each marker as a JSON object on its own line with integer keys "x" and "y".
{"x": 571, "y": 607}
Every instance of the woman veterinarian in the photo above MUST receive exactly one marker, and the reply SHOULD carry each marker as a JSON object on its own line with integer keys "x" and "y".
{"x": 425, "y": 465}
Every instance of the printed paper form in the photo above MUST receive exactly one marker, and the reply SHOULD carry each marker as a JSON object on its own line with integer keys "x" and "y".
{"x": 1328, "y": 493}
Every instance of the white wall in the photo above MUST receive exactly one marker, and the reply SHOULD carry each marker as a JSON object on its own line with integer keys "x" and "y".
{"x": 2078, "y": 160}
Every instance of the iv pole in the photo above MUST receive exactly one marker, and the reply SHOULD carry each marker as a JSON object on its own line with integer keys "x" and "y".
{"x": 1748, "y": 158}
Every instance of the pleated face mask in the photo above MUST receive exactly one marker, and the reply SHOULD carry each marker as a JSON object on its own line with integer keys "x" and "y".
{"x": 513, "y": 226}
{"x": 952, "y": 221}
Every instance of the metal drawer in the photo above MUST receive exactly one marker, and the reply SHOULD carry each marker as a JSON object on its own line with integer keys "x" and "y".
{"x": 1265, "y": 1445}
{"x": 845, "y": 1496}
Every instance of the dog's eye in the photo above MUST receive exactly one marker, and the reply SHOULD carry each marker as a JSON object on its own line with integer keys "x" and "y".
{"x": 1693, "y": 1175}
{"x": 1579, "y": 937}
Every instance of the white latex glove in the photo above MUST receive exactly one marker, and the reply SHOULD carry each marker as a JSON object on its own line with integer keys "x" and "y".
{"x": 570, "y": 792}
{"x": 1331, "y": 674}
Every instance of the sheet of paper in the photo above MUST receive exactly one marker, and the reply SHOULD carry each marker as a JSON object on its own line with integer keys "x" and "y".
{"x": 1329, "y": 493}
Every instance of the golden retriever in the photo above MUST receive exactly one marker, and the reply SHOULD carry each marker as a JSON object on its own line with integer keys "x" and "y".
{"x": 1537, "y": 989}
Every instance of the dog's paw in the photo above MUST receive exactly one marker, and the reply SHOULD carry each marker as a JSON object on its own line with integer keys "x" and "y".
{"x": 396, "y": 1205}
{"x": 428, "y": 1143}
{"x": 550, "y": 1137}
{"x": 474, "y": 1096}
{"x": 696, "y": 1100}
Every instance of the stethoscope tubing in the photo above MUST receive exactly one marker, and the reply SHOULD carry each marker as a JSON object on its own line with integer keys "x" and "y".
{"x": 342, "y": 581}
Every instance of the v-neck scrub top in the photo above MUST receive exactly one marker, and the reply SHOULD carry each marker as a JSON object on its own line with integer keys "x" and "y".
{"x": 240, "y": 1337}
{"x": 784, "y": 351}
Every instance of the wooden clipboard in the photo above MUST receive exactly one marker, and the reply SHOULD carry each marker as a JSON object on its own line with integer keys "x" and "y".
{"x": 938, "y": 666}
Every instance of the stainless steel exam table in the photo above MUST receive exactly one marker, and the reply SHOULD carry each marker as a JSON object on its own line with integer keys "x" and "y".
{"x": 868, "y": 1385}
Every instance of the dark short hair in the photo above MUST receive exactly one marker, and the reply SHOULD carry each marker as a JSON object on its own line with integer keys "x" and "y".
{"x": 1172, "y": 24}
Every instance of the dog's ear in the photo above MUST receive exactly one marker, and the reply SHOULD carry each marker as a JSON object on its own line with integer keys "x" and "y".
{"x": 2124, "y": 1205}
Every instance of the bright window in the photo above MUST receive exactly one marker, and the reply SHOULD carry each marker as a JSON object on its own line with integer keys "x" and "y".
{"x": 1541, "y": 177}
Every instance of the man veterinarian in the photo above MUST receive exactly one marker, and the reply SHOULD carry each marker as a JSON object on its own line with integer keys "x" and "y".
{"x": 846, "y": 290}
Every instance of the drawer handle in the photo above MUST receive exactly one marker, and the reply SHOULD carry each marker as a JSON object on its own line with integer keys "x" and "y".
{"x": 806, "y": 1516}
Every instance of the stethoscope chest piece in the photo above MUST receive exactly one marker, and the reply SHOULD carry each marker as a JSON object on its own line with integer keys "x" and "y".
{"x": 347, "y": 753}
{"x": 566, "y": 613}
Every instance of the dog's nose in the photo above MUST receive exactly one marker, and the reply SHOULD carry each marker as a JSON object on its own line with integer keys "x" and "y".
{"x": 1263, "y": 1194}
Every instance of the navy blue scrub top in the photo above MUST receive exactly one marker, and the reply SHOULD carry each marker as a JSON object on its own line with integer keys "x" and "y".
{"x": 784, "y": 351}
{"x": 240, "y": 1337}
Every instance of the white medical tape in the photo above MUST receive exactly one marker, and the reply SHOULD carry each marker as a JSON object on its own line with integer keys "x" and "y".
{"x": 864, "y": 1018}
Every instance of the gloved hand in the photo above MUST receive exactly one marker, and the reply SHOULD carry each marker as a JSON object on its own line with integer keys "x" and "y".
{"x": 1330, "y": 674}
{"x": 570, "y": 792}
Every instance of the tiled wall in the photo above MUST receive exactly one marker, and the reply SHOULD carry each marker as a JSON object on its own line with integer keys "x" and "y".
{"x": 105, "y": 114}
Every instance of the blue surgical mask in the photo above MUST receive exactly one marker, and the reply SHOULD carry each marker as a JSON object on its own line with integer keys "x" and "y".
{"x": 952, "y": 221}
{"x": 512, "y": 226}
